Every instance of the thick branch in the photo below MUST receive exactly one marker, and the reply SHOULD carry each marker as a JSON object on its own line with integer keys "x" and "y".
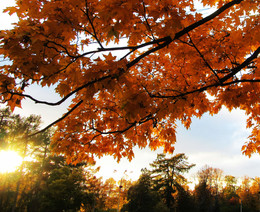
{"x": 186, "y": 30}
{"x": 167, "y": 41}
{"x": 221, "y": 80}
{"x": 235, "y": 70}
{"x": 206, "y": 19}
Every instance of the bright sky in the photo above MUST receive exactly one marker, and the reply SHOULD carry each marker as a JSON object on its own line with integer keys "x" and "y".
{"x": 215, "y": 141}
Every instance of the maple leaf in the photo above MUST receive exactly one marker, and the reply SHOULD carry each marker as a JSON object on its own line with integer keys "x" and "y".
{"x": 133, "y": 69}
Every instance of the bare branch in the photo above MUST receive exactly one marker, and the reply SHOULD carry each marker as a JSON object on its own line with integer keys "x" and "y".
{"x": 66, "y": 97}
{"x": 247, "y": 62}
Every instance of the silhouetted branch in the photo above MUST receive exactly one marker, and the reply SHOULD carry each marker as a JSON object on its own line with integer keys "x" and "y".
{"x": 143, "y": 120}
{"x": 203, "y": 58}
{"x": 58, "y": 120}
{"x": 168, "y": 39}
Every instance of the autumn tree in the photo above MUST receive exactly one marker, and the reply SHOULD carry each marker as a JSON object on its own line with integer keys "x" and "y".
{"x": 249, "y": 194}
{"x": 229, "y": 196}
{"x": 133, "y": 68}
{"x": 212, "y": 177}
{"x": 167, "y": 176}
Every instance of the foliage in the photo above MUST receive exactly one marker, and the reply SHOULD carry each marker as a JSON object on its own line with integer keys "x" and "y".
{"x": 64, "y": 190}
{"x": 249, "y": 193}
{"x": 142, "y": 197}
{"x": 133, "y": 68}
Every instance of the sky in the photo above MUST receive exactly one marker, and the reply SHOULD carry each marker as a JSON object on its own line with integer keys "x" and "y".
{"x": 214, "y": 141}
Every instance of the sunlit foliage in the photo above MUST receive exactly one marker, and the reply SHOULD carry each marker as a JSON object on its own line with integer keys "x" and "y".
{"x": 133, "y": 68}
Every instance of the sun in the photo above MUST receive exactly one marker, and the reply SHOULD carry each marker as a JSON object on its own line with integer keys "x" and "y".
{"x": 9, "y": 161}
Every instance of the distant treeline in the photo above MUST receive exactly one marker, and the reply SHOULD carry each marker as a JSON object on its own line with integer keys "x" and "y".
{"x": 48, "y": 183}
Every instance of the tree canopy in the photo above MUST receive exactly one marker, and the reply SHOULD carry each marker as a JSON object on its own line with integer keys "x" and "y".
{"x": 133, "y": 68}
{"x": 167, "y": 175}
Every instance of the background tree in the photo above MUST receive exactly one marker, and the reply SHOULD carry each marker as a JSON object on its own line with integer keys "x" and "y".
{"x": 167, "y": 176}
{"x": 185, "y": 200}
{"x": 133, "y": 68}
{"x": 7, "y": 190}
{"x": 213, "y": 178}
{"x": 141, "y": 197}
{"x": 248, "y": 194}
{"x": 204, "y": 198}
{"x": 210, "y": 181}
{"x": 230, "y": 198}
{"x": 112, "y": 194}
{"x": 14, "y": 132}
{"x": 96, "y": 191}
{"x": 64, "y": 190}
{"x": 44, "y": 183}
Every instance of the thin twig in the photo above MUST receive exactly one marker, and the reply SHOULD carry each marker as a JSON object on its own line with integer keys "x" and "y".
{"x": 203, "y": 58}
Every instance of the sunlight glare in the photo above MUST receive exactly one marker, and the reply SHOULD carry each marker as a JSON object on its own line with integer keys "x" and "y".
{"x": 9, "y": 161}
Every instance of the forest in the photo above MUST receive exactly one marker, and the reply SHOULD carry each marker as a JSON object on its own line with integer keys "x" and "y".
{"x": 47, "y": 183}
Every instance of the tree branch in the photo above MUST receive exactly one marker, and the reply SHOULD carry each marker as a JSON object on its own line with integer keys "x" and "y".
{"x": 92, "y": 25}
{"x": 146, "y": 21}
{"x": 206, "y": 19}
{"x": 221, "y": 80}
{"x": 235, "y": 70}
{"x": 66, "y": 97}
{"x": 168, "y": 39}
{"x": 58, "y": 120}
{"x": 143, "y": 120}
{"x": 203, "y": 58}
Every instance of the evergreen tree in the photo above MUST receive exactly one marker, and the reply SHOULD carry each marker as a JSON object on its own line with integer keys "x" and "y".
{"x": 167, "y": 176}
{"x": 142, "y": 198}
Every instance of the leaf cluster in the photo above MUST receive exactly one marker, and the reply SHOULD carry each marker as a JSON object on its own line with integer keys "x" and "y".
{"x": 133, "y": 69}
